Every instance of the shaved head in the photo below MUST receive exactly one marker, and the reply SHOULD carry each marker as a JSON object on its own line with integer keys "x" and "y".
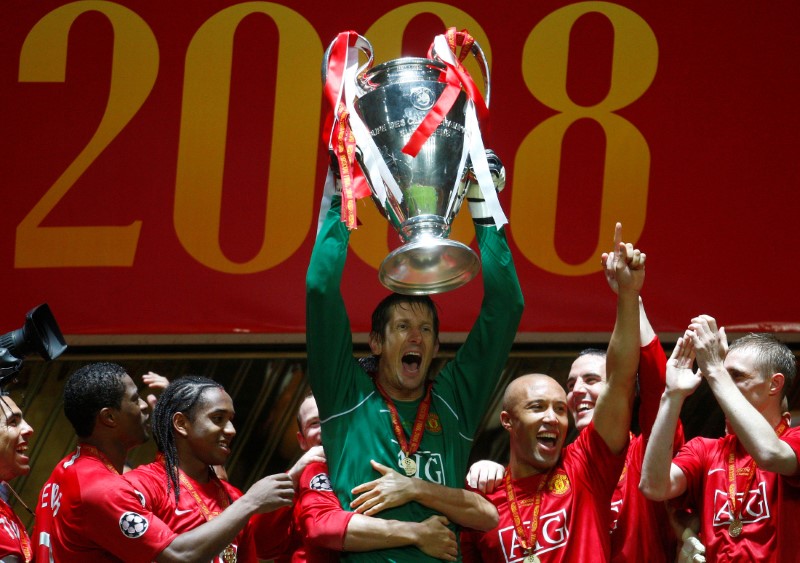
{"x": 517, "y": 390}
{"x": 535, "y": 416}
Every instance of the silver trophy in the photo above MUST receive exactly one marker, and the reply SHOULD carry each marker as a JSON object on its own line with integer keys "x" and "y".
{"x": 392, "y": 99}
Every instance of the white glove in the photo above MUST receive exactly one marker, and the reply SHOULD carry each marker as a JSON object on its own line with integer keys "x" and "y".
{"x": 692, "y": 550}
{"x": 477, "y": 206}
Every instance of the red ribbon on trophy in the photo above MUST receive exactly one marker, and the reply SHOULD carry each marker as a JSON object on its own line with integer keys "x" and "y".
{"x": 455, "y": 77}
{"x": 341, "y": 140}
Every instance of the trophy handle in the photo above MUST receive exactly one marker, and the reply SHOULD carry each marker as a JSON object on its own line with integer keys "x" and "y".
{"x": 477, "y": 52}
{"x": 361, "y": 43}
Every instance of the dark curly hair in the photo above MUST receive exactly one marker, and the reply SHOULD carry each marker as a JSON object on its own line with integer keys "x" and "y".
{"x": 90, "y": 389}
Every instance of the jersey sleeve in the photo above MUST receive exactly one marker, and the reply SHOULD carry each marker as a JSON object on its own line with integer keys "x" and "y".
{"x": 793, "y": 439}
{"x": 328, "y": 334}
{"x": 116, "y": 521}
{"x": 319, "y": 516}
{"x": 652, "y": 382}
{"x": 473, "y": 374}
{"x": 691, "y": 459}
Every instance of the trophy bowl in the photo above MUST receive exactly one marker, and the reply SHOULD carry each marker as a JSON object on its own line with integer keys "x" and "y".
{"x": 393, "y": 98}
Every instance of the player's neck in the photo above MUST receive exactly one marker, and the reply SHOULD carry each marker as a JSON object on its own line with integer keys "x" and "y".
{"x": 194, "y": 468}
{"x": 398, "y": 393}
{"x": 113, "y": 450}
{"x": 520, "y": 469}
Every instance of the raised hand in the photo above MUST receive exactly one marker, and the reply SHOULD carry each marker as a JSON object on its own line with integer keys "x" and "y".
{"x": 629, "y": 267}
{"x": 608, "y": 258}
{"x": 680, "y": 377}
{"x": 390, "y": 490}
{"x": 155, "y": 382}
{"x": 710, "y": 343}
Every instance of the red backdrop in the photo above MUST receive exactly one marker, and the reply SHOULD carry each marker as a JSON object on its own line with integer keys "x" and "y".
{"x": 162, "y": 164}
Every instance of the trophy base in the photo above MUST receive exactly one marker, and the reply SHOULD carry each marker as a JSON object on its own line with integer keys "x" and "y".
{"x": 429, "y": 266}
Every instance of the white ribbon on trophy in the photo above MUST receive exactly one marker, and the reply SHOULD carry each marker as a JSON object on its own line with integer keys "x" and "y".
{"x": 473, "y": 145}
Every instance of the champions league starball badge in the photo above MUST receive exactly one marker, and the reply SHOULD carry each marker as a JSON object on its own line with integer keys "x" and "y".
{"x": 133, "y": 525}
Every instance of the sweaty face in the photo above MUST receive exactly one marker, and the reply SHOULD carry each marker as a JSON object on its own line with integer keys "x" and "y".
{"x": 133, "y": 420}
{"x": 406, "y": 351}
{"x": 586, "y": 380}
{"x": 310, "y": 433}
{"x": 14, "y": 436}
{"x": 536, "y": 418}
{"x": 741, "y": 364}
{"x": 210, "y": 430}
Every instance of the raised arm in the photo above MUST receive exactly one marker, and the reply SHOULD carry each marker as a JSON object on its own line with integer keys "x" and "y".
{"x": 328, "y": 336}
{"x": 463, "y": 507}
{"x": 612, "y": 416}
{"x": 753, "y": 428}
{"x": 661, "y": 479}
{"x": 473, "y": 374}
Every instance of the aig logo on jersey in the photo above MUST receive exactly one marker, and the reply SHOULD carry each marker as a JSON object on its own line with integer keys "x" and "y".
{"x": 553, "y": 533}
{"x": 754, "y": 506}
{"x": 133, "y": 525}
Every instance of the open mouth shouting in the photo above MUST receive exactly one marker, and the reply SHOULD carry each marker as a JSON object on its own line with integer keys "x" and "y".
{"x": 548, "y": 440}
{"x": 412, "y": 361}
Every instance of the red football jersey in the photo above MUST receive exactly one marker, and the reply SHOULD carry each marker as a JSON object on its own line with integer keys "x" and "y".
{"x": 574, "y": 518}
{"x": 87, "y": 512}
{"x": 640, "y": 528}
{"x": 151, "y": 481}
{"x": 319, "y": 521}
{"x": 769, "y": 507}
{"x": 14, "y": 538}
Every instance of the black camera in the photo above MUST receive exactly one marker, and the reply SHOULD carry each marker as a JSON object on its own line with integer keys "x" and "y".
{"x": 39, "y": 334}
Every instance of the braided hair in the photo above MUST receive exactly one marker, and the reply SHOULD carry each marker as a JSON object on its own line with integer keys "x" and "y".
{"x": 182, "y": 395}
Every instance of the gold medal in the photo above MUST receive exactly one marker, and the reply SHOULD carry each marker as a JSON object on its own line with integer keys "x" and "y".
{"x": 409, "y": 466}
{"x": 531, "y": 559}
{"x": 229, "y": 554}
{"x": 735, "y": 528}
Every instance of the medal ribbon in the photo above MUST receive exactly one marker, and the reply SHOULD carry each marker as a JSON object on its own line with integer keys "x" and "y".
{"x": 208, "y": 514}
{"x": 529, "y": 543}
{"x": 424, "y": 407}
{"x": 99, "y": 455}
{"x": 455, "y": 77}
{"x": 229, "y": 553}
{"x": 736, "y": 508}
{"x": 341, "y": 141}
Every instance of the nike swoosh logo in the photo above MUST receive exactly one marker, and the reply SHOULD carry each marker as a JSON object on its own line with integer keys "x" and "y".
{"x": 179, "y": 512}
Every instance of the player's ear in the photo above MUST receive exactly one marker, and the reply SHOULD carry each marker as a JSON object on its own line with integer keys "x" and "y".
{"x": 776, "y": 383}
{"x": 181, "y": 424}
{"x": 505, "y": 420}
{"x": 107, "y": 417}
{"x": 375, "y": 343}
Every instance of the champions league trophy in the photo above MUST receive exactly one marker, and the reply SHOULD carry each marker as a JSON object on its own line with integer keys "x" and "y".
{"x": 411, "y": 125}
